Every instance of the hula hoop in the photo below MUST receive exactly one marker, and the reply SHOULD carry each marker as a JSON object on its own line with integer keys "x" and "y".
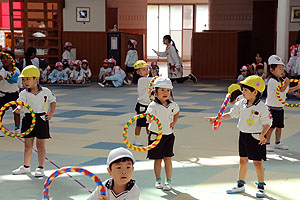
{"x": 13, "y": 64}
{"x": 151, "y": 87}
{"x": 151, "y": 146}
{"x": 217, "y": 123}
{"x": 72, "y": 169}
{"x": 10, "y": 133}
{"x": 279, "y": 98}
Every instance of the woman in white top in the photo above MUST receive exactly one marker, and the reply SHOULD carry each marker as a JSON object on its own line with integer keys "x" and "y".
{"x": 175, "y": 70}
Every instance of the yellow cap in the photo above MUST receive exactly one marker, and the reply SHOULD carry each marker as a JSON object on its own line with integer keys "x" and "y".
{"x": 234, "y": 87}
{"x": 140, "y": 64}
{"x": 30, "y": 71}
{"x": 256, "y": 82}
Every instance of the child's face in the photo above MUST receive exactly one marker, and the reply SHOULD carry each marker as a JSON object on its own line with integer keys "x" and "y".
{"x": 71, "y": 67}
{"x": 244, "y": 73}
{"x": 144, "y": 72}
{"x": 248, "y": 94}
{"x": 260, "y": 71}
{"x": 163, "y": 94}
{"x": 121, "y": 172}
{"x": 69, "y": 48}
{"x": 258, "y": 58}
{"x": 77, "y": 67}
{"x": 154, "y": 67}
{"x": 59, "y": 68}
{"x": 48, "y": 71}
{"x": 84, "y": 66}
{"x": 278, "y": 71}
{"x": 105, "y": 65}
{"x": 30, "y": 82}
{"x": 5, "y": 61}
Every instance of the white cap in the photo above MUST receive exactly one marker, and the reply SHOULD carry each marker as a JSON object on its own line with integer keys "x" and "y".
{"x": 163, "y": 82}
{"x": 118, "y": 153}
{"x": 276, "y": 60}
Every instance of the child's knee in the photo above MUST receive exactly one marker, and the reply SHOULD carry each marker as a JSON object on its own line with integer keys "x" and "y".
{"x": 258, "y": 164}
{"x": 243, "y": 161}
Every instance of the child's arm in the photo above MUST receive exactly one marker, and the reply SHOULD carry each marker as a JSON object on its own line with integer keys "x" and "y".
{"x": 212, "y": 120}
{"x": 52, "y": 110}
{"x": 293, "y": 89}
{"x": 262, "y": 138}
{"x": 18, "y": 109}
{"x": 286, "y": 84}
{"x": 175, "y": 119}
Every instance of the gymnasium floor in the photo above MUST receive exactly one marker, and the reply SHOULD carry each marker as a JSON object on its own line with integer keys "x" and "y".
{"x": 88, "y": 124}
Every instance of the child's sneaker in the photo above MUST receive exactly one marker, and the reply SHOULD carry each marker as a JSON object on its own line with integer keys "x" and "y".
{"x": 21, "y": 170}
{"x": 101, "y": 84}
{"x": 137, "y": 142}
{"x": 260, "y": 193}
{"x": 17, "y": 132}
{"x": 158, "y": 185}
{"x": 281, "y": 146}
{"x": 193, "y": 78}
{"x": 235, "y": 190}
{"x": 39, "y": 172}
{"x": 269, "y": 148}
{"x": 125, "y": 82}
{"x": 167, "y": 186}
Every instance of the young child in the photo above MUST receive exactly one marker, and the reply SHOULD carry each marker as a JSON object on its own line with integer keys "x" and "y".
{"x": 276, "y": 107}
{"x": 9, "y": 89}
{"x": 235, "y": 92}
{"x": 154, "y": 69}
{"x": 86, "y": 71}
{"x": 45, "y": 75}
{"x": 131, "y": 58}
{"x": 117, "y": 77}
{"x": 77, "y": 75}
{"x": 260, "y": 71}
{"x": 167, "y": 111}
{"x": 40, "y": 99}
{"x": 70, "y": 69}
{"x": 68, "y": 55}
{"x": 142, "y": 69}
{"x": 120, "y": 166}
{"x": 254, "y": 122}
{"x": 244, "y": 73}
{"x": 105, "y": 71}
{"x": 58, "y": 75}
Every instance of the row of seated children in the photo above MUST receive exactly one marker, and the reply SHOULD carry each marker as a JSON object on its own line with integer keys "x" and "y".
{"x": 77, "y": 72}
{"x": 113, "y": 75}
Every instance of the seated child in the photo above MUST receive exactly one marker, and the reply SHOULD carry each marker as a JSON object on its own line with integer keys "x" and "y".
{"x": 77, "y": 75}
{"x": 154, "y": 69}
{"x": 117, "y": 78}
{"x": 86, "y": 71}
{"x": 58, "y": 75}
{"x": 45, "y": 74}
{"x": 120, "y": 166}
{"x": 105, "y": 70}
{"x": 244, "y": 73}
{"x": 260, "y": 71}
{"x": 70, "y": 68}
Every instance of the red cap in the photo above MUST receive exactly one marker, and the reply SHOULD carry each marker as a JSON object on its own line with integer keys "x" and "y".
{"x": 85, "y": 61}
{"x": 77, "y": 62}
{"x": 244, "y": 68}
{"x": 59, "y": 64}
{"x": 71, "y": 62}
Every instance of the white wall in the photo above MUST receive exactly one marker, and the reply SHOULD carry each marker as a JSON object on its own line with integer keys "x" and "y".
{"x": 294, "y": 26}
{"x": 97, "y": 15}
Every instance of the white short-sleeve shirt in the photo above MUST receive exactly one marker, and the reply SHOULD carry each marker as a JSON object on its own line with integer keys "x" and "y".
{"x": 7, "y": 87}
{"x": 143, "y": 86}
{"x": 251, "y": 118}
{"x": 132, "y": 192}
{"x": 165, "y": 114}
{"x": 40, "y": 102}
{"x": 272, "y": 99}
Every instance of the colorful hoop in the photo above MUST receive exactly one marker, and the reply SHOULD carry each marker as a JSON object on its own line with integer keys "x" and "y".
{"x": 10, "y": 133}
{"x": 217, "y": 123}
{"x": 72, "y": 169}
{"x": 151, "y": 146}
{"x": 13, "y": 64}
{"x": 279, "y": 98}
{"x": 151, "y": 87}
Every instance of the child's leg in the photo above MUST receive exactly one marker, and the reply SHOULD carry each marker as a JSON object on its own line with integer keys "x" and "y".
{"x": 157, "y": 168}
{"x": 278, "y": 135}
{"x": 28, "y": 151}
{"x": 147, "y": 131}
{"x": 268, "y": 135}
{"x": 168, "y": 167}
{"x": 17, "y": 121}
{"x": 243, "y": 168}
{"x": 138, "y": 130}
{"x": 260, "y": 173}
{"x": 40, "y": 145}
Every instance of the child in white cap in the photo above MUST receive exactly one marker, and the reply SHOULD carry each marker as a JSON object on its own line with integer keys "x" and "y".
{"x": 121, "y": 186}
{"x": 276, "y": 107}
{"x": 77, "y": 76}
{"x": 86, "y": 71}
{"x": 131, "y": 58}
{"x": 45, "y": 74}
{"x": 244, "y": 73}
{"x": 58, "y": 75}
{"x": 67, "y": 55}
{"x": 167, "y": 111}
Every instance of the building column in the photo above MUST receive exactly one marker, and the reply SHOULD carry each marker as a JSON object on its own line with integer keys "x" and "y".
{"x": 283, "y": 17}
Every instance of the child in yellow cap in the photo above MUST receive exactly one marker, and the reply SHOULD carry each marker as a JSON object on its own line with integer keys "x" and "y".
{"x": 40, "y": 99}
{"x": 254, "y": 122}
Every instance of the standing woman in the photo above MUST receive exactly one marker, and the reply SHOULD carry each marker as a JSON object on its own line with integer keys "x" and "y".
{"x": 175, "y": 70}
